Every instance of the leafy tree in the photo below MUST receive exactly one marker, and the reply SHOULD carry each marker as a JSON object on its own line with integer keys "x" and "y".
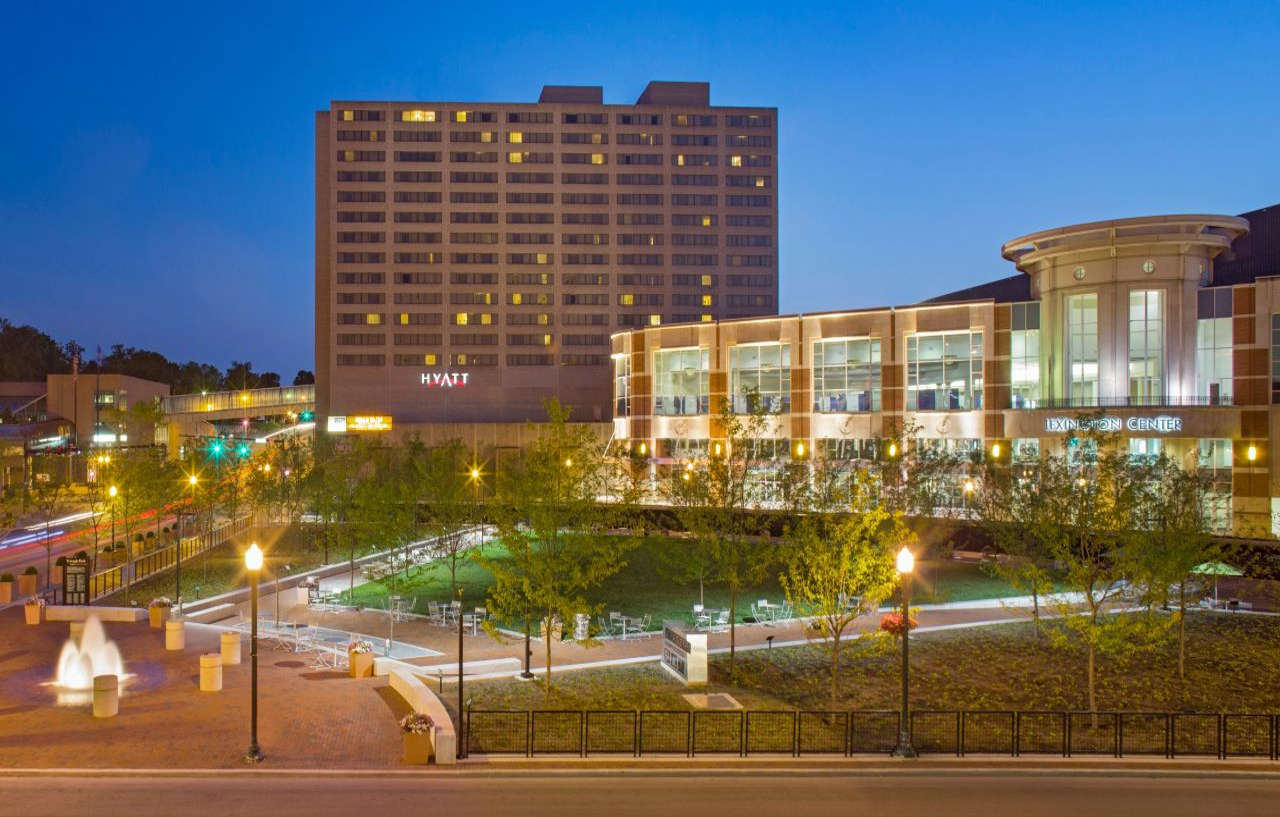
{"x": 28, "y": 354}
{"x": 48, "y": 497}
{"x": 1022, "y": 521}
{"x": 840, "y": 566}
{"x": 714, "y": 499}
{"x": 1174, "y": 538}
{"x": 446, "y": 483}
{"x": 552, "y": 524}
{"x": 304, "y": 377}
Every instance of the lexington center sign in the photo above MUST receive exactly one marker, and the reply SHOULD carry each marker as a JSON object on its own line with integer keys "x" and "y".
{"x": 1162, "y": 424}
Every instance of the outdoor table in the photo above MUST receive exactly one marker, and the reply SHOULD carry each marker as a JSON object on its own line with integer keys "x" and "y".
{"x": 767, "y": 611}
{"x": 471, "y": 621}
{"x": 632, "y": 622}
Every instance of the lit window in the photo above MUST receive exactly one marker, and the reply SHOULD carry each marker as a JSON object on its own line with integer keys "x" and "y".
{"x": 597, "y": 138}
{"x": 706, "y": 300}
{"x": 735, "y": 161}
{"x": 655, "y": 320}
{"x": 348, "y": 116}
{"x": 460, "y": 319}
{"x": 706, "y": 280}
{"x": 706, "y": 318}
{"x": 542, "y": 258}
{"x": 429, "y": 359}
{"x": 515, "y": 157}
{"x": 404, "y": 318}
{"x": 680, "y": 159}
{"x": 459, "y": 116}
{"x": 487, "y": 136}
{"x": 759, "y": 181}
{"x": 515, "y": 137}
{"x": 546, "y": 340}
{"x": 348, "y": 155}
{"x": 516, "y": 298}
{"x": 597, "y": 158}
{"x": 543, "y": 319}
{"x": 706, "y": 221}
{"x": 627, "y": 299}
{"x": 486, "y": 318}
{"x": 418, "y": 116}
{"x": 461, "y": 358}
{"x": 373, "y": 318}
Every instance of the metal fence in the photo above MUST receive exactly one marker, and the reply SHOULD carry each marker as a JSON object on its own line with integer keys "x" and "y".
{"x": 797, "y": 733}
{"x": 114, "y": 579}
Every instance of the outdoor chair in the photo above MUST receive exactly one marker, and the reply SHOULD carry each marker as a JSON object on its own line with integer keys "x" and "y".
{"x": 646, "y": 622}
{"x": 605, "y": 629}
{"x": 722, "y": 621}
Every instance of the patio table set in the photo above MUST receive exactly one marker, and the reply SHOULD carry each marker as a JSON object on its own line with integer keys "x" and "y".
{"x": 619, "y": 626}
{"x": 445, "y": 614}
{"x": 763, "y": 611}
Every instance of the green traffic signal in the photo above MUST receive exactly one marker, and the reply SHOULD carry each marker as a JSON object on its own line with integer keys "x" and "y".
{"x": 307, "y": 416}
{"x": 243, "y": 450}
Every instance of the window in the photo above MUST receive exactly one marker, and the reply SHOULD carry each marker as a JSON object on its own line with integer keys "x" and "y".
{"x": 1275, "y": 358}
{"x": 418, "y": 297}
{"x": 361, "y": 195}
{"x": 417, "y": 196}
{"x": 1082, "y": 349}
{"x": 427, "y": 359}
{"x": 421, "y": 176}
{"x": 529, "y": 198}
{"x": 474, "y": 116}
{"x": 639, "y": 119}
{"x": 460, "y": 177}
{"x": 472, "y": 359}
{"x": 417, "y": 238}
{"x": 693, "y": 160}
{"x": 417, "y": 136}
{"x": 468, "y": 197}
{"x": 1144, "y": 450}
{"x": 1213, "y": 346}
{"x": 530, "y": 258}
{"x": 417, "y": 116}
{"x": 582, "y": 119}
{"x": 418, "y": 258}
{"x": 748, "y": 121}
{"x": 622, "y": 386}
{"x": 362, "y": 176}
{"x": 410, "y": 217}
{"x": 944, "y": 371}
{"x": 361, "y": 116}
{"x": 693, "y": 120}
{"x": 682, "y": 381}
{"x": 583, "y": 360}
{"x": 360, "y": 278}
{"x": 361, "y": 257}
{"x": 531, "y": 360}
{"x": 585, "y": 258}
{"x": 417, "y": 278}
{"x": 854, "y": 448}
{"x": 765, "y": 369}
{"x": 639, "y": 199}
{"x": 846, "y": 375}
{"x": 1214, "y": 462}
{"x": 530, "y": 117}
{"x": 362, "y": 155}
{"x": 1146, "y": 346}
{"x": 362, "y": 360}
{"x": 1024, "y": 355}
{"x": 362, "y": 136}
{"x": 650, "y": 139}
{"x": 361, "y": 216}
{"x": 417, "y": 155}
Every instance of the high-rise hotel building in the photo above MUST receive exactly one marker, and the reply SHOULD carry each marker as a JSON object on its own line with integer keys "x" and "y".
{"x": 473, "y": 259}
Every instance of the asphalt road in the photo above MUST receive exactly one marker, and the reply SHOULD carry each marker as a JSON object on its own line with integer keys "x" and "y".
{"x": 621, "y": 793}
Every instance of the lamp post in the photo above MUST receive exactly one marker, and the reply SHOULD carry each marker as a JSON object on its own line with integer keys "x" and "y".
{"x": 463, "y": 731}
{"x": 192, "y": 481}
{"x": 906, "y": 563}
{"x": 111, "y": 492}
{"x": 253, "y": 562}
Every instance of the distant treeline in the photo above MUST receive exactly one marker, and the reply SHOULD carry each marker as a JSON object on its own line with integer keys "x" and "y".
{"x": 27, "y": 354}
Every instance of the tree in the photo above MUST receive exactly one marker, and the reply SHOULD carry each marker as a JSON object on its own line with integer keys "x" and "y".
{"x": 1174, "y": 539}
{"x": 445, "y": 483}
{"x": 48, "y": 496}
{"x": 1096, "y": 497}
{"x": 839, "y": 567}
{"x": 554, "y": 529}
{"x": 304, "y": 377}
{"x": 1022, "y": 521}
{"x": 714, "y": 499}
{"x": 28, "y": 354}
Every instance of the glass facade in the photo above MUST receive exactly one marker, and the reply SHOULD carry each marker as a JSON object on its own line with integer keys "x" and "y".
{"x": 1213, "y": 347}
{"x": 944, "y": 371}
{"x": 682, "y": 381}
{"x": 622, "y": 386}
{"x": 1024, "y": 355}
{"x": 846, "y": 375}
{"x": 1146, "y": 346}
{"x": 1082, "y": 349}
{"x": 764, "y": 368}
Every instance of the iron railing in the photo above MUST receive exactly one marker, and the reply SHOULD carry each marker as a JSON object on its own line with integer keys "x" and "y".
{"x": 1153, "y": 401}
{"x": 797, "y": 733}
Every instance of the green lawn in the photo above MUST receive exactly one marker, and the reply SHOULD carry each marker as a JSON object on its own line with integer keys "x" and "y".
{"x": 640, "y": 588}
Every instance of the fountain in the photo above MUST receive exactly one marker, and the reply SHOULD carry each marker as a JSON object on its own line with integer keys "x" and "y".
{"x": 79, "y": 663}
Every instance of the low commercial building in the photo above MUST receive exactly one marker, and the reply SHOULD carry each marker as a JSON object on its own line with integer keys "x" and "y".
{"x": 1166, "y": 329}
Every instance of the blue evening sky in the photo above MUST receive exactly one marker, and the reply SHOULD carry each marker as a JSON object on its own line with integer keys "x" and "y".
{"x": 156, "y": 173}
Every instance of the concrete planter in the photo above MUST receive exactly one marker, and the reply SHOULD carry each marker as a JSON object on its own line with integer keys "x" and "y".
{"x": 33, "y": 612}
{"x": 158, "y": 616}
{"x": 417, "y": 749}
{"x": 6, "y": 592}
{"x": 361, "y": 664}
{"x": 230, "y": 649}
{"x": 28, "y": 584}
{"x": 211, "y": 672}
{"x": 106, "y": 696}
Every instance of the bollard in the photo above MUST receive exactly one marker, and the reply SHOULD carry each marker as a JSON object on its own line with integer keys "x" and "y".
{"x": 106, "y": 696}
{"x": 211, "y": 672}
{"x": 230, "y": 649}
{"x": 77, "y": 630}
{"x": 174, "y": 637}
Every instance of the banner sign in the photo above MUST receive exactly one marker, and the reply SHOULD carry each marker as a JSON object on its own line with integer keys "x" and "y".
{"x": 75, "y": 580}
{"x": 1162, "y": 424}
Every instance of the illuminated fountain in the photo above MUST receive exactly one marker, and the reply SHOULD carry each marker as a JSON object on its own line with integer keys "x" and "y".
{"x": 79, "y": 663}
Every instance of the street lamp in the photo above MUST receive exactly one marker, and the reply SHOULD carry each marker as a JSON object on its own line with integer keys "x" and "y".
{"x": 462, "y": 734}
{"x": 906, "y": 564}
{"x": 253, "y": 563}
{"x": 192, "y": 481}
{"x": 111, "y": 492}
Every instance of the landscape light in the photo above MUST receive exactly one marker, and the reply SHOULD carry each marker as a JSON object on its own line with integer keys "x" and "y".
{"x": 906, "y": 560}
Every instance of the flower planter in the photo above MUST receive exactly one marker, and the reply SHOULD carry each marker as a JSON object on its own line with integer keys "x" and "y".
{"x": 6, "y": 592}
{"x": 28, "y": 584}
{"x": 361, "y": 664}
{"x": 33, "y": 612}
{"x": 417, "y": 749}
{"x": 157, "y": 616}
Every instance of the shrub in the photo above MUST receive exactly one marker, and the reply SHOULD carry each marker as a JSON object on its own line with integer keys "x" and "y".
{"x": 6, "y": 577}
{"x": 360, "y": 647}
{"x": 80, "y": 554}
{"x": 31, "y": 571}
{"x": 161, "y": 601}
{"x": 892, "y": 623}
{"x": 61, "y": 561}
{"x": 416, "y": 723}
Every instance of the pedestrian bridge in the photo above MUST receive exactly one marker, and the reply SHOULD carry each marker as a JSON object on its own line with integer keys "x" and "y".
{"x": 234, "y": 405}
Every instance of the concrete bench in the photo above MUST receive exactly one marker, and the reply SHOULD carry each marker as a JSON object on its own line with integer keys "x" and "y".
{"x": 80, "y": 612}
{"x": 444, "y": 739}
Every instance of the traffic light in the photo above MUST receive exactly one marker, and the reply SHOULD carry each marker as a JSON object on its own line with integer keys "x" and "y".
{"x": 243, "y": 450}
{"x": 215, "y": 449}
{"x": 306, "y": 416}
